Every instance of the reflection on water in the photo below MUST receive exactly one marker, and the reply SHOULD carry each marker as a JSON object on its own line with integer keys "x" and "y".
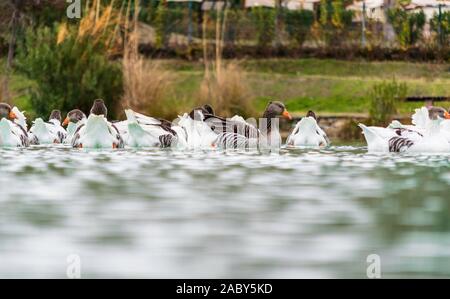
{"x": 153, "y": 213}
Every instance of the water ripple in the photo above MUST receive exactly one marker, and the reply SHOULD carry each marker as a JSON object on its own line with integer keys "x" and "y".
{"x": 161, "y": 213}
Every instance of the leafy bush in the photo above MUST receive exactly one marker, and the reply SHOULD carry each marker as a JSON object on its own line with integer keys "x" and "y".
{"x": 169, "y": 19}
{"x": 69, "y": 73}
{"x": 264, "y": 19}
{"x": 385, "y": 98}
{"x": 334, "y": 21}
{"x": 298, "y": 24}
{"x": 442, "y": 33}
{"x": 161, "y": 25}
{"x": 407, "y": 26}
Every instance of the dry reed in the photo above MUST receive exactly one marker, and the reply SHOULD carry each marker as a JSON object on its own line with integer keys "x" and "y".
{"x": 225, "y": 85}
{"x": 146, "y": 83}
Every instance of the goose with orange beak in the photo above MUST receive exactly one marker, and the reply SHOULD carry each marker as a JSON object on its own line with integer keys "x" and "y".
{"x": 12, "y": 134}
{"x": 238, "y": 133}
{"x": 74, "y": 119}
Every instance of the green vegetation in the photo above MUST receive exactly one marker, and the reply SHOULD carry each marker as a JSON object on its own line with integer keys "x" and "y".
{"x": 161, "y": 26}
{"x": 69, "y": 73}
{"x": 325, "y": 86}
{"x": 441, "y": 26}
{"x": 334, "y": 21}
{"x": 298, "y": 24}
{"x": 385, "y": 97}
{"x": 265, "y": 25}
{"x": 407, "y": 26}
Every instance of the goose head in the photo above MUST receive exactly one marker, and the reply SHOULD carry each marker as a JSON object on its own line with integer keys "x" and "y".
{"x": 99, "y": 108}
{"x": 199, "y": 112}
{"x": 6, "y": 112}
{"x": 438, "y": 112}
{"x": 276, "y": 109}
{"x": 311, "y": 114}
{"x": 74, "y": 117}
{"x": 56, "y": 115}
{"x": 208, "y": 109}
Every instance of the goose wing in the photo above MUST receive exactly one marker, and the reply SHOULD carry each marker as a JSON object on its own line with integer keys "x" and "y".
{"x": 21, "y": 119}
{"x": 12, "y": 135}
{"x": 147, "y": 131}
{"x": 54, "y": 126}
{"x": 234, "y": 125}
{"x": 376, "y": 142}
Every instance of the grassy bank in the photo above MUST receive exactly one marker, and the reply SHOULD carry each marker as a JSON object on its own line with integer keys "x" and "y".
{"x": 326, "y": 86}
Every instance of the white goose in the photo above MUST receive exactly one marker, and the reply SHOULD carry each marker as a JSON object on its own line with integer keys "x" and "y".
{"x": 198, "y": 134}
{"x": 307, "y": 133}
{"x": 425, "y": 136}
{"x": 48, "y": 133}
{"x": 12, "y": 134}
{"x": 421, "y": 119}
{"x": 97, "y": 132}
{"x": 73, "y": 121}
{"x": 144, "y": 131}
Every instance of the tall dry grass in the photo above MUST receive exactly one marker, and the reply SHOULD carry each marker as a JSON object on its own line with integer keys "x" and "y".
{"x": 103, "y": 24}
{"x": 227, "y": 90}
{"x": 225, "y": 84}
{"x": 147, "y": 84}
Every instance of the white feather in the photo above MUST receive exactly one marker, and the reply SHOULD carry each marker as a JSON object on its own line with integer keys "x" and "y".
{"x": 8, "y": 138}
{"x": 307, "y": 133}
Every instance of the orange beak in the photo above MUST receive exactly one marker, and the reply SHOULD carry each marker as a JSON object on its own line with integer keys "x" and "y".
{"x": 12, "y": 115}
{"x": 287, "y": 115}
{"x": 66, "y": 122}
{"x": 447, "y": 115}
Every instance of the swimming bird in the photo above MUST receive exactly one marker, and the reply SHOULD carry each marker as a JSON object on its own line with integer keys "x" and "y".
{"x": 207, "y": 110}
{"x": 425, "y": 136}
{"x": 74, "y": 119}
{"x": 97, "y": 132}
{"x": 308, "y": 133}
{"x": 420, "y": 122}
{"x": 12, "y": 133}
{"x": 145, "y": 131}
{"x": 48, "y": 133}
{"x": 199, "y": 135}
{"x": 238, "y": 133}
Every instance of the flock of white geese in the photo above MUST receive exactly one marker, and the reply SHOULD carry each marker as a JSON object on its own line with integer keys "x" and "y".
{"x": 203, "y": 129}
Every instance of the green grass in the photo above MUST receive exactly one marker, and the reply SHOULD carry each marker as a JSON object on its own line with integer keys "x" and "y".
{"x": 19, "y": 88}
{"x": 325, "y": 86}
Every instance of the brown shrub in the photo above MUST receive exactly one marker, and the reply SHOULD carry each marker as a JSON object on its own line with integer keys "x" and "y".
{"x": 228, "y": 91}
{"x": 146, "y": 86}
{"x": 146, "y": 83}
